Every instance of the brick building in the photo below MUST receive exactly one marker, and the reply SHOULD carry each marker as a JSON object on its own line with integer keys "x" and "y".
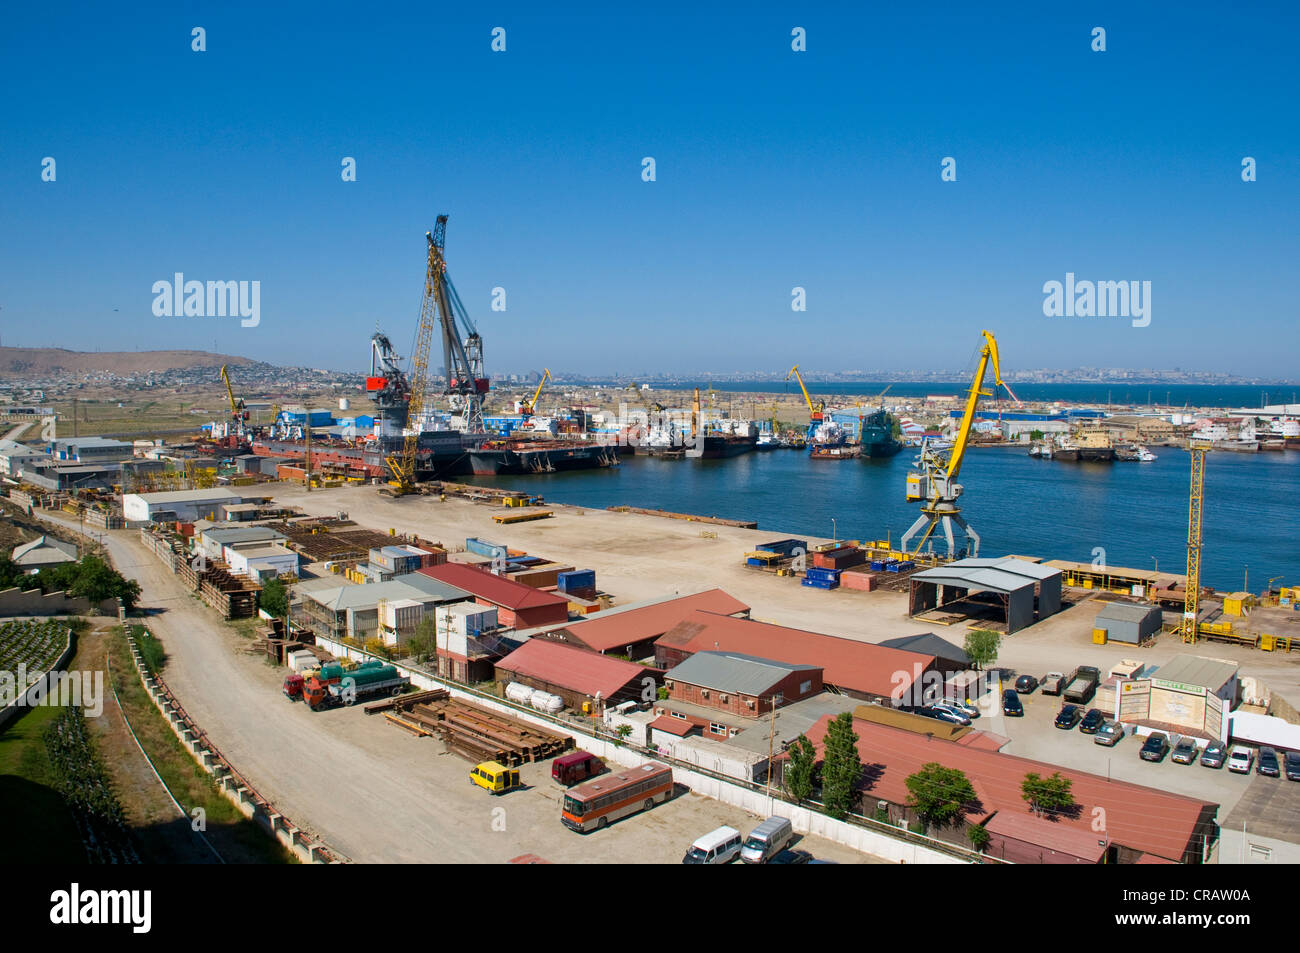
{"x": 741, "y": 685}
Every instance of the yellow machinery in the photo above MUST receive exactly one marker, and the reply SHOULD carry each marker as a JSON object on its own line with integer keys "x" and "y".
{"x": 1189, "y": 629}
{"x": 814, "y": 413}
{"x": 531, "y": 407}
{"x": 237, "y": 412}
{"x": 935, "y": 482}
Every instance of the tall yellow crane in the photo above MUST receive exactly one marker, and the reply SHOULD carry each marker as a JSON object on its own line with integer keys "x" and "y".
{"x": 935, "y": 484}
{"x": 237, "y": 411}
{"x": 1190, "y": 628}
{"x": 530, "y": 408}
{"x": 814, "y": 413}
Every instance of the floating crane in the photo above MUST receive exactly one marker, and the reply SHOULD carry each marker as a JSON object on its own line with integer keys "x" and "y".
{"x": 814, "y": 413}
{"x": 936, "y": 486}
{"x": 530, "y": 408}
{"x": 462, "y": 359}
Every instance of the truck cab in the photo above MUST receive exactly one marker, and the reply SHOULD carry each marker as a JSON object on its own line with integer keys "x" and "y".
{"x": 494, "y": 777}
{"x": 292, "y": 686}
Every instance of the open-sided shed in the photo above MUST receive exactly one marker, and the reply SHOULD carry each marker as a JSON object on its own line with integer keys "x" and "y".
{"x": 1014, "y": 581}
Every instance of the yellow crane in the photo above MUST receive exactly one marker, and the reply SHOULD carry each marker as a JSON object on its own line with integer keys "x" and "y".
{"x": 236, "y": 405}
{"x": 1190, "y": 628}
{"x": 935, "y": 482}
{"x": 814, "y": 413}
{"x": 530, "y": 408}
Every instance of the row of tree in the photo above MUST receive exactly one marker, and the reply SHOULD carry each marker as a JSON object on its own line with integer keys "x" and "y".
{"x": 937, "y": 795}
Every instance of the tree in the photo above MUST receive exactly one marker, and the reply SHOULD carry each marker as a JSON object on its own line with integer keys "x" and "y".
{"x": 799, "y": 769}
{"x": 979, "y": 836}
{"x": 1047, "y": 795}
{"x": 1035, "y": 435}
{"x": 938, "y": 794}
{"x": 841, "y": 766}
{"x": 274, "y": 598}
{"x": 424, "y": 643}
{"x": 982, "y": 646}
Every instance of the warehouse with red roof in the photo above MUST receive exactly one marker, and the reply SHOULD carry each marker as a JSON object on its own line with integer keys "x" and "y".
{"x": 580, "y": 677}
{"x": 860, "y": 669}
{"x": 631, "y": 631}
{"x": 518, "y": 606}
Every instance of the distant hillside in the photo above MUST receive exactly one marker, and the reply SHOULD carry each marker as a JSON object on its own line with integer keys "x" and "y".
{"x": 54, "y": 362}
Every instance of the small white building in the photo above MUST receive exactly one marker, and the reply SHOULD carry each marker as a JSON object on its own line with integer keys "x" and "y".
{"x": 262, "y": 562}
{"x": 460, "y": 621}
{"x": 182, "y": 505}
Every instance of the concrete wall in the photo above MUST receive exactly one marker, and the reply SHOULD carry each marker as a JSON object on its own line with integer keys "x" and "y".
{"x": 1238, "y": 847}
{"x": 35, "y": 602}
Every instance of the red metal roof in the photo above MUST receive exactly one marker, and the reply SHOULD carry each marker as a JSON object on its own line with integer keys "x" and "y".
{"x": 605, "y": 632}
{"x": 503, "y": 592}
{"x": 846, "y": 663}
{"x": 578, "y": 670}
{"x": 1050, "y": 836}
{"x": 674, "y": 726}
{"x": 1138, "y": 817}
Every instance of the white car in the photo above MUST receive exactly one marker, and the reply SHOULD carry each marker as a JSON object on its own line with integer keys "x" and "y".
{"x": 953, "y": 710}
{"x": 1240, "y": 759}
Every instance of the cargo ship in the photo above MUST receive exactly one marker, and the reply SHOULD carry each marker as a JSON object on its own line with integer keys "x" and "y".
{"x": 877, "y": 438}
{"x": 527, "y": 454}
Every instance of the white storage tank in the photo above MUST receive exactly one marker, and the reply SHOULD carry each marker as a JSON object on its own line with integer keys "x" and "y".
{"x": 545, "y": 701}
{"x": 344, "y": 403}
{"x": 519, "y": 693}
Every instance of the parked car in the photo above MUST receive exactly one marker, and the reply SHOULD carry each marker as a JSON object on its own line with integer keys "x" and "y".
{"x": 1067, "y": 717}
{"x": 1214, "y": 755}
{"x": 1185, "y": 751}
{"x": 1108, "y": 734}
{"x": 792, "y": 856}
{"x": 1092, "y": 721}
{"x": 966, "y": 708}
{"x": 1155, "y": 747}
{"x": 1268, "y": 763}
{"x": 944, "y": 713}
{"x": 1026, "y": 684}
{"x": 766, "y": 840}
{"x": 1240, "y": 758}
{"x": 1011, "y": 704}
{"x": 1291, "y": 765}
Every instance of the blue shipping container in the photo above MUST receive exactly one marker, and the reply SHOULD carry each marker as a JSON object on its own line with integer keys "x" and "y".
{"x": 482, "y": 547}
{"x": 576, "y": 579}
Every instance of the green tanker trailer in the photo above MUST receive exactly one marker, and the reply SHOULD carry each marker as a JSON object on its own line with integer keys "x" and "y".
{"x": 333, "y": 686}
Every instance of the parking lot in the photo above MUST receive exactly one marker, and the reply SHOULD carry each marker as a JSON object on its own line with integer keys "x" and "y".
{"x": 1034, "y": 736}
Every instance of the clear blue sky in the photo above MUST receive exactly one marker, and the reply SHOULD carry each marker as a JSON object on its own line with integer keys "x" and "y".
{"x": 775, "y": 169}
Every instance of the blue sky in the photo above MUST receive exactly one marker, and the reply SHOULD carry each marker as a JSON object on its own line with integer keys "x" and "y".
{"x": 775, "y": 169}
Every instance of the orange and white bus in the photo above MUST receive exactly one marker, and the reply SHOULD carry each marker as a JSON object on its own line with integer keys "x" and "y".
{"x": 594, "y": 805}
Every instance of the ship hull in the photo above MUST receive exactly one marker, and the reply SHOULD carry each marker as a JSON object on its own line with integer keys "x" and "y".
{"x": 881, "y": 448}
{"x": 723, "y": 448}
{"x": 509, "y": 461}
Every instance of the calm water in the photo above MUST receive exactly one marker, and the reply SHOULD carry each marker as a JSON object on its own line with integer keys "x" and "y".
{"x": 1173, "y": 395}
{"x": 1136, "y": 511}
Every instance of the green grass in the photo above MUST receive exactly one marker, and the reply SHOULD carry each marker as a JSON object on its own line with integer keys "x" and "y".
{"x": 38, "y": 825}
{"x": 236, "y": 838}
{"x": 150, "y": 648}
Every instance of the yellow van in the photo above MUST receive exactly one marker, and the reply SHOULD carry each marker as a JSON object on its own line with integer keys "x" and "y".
{"x": 494, "y": 777}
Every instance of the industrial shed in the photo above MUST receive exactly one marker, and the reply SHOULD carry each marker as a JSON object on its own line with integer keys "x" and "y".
{"x": 1129, "y": 622}
{"x": 576, "y": 675}
{"x": 1015, "y": 582}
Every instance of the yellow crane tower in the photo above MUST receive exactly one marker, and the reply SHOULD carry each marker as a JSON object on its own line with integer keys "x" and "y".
{"x": 814, "y": 413}
{"x": 236, "y": 405}
{"x": 530, "y": 408}
{"x": 935, "y": 484}
{"x": 1190, "y": 627}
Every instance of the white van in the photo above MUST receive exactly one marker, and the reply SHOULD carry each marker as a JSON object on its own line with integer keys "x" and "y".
{"x": 717, "y": 847}
{"x": 766, "y": 840}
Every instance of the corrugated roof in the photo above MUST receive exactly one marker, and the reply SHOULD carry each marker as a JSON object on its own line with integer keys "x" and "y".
{"x": 734, "y": 672}
{"x": 361, "y": 598}
{"x": 1138, "y": 817}
{"x": 55, "y": 550}
{"x": 504, "y": 592}
{"x": 991, "y": 578}
{"x": 674, "y": 726}
{"x": 240, "y": 534}
{"x": 188, "y": 496}
{"x": 626, "y": 625}
{"x": 1127, "y": 611}
{"x": 857, "y": 666}
{"x": 588, "y": 673}
{"x": 1054, "y": 836}
{"x": 1209, "y": 673}
{"x": 929, "y": 644}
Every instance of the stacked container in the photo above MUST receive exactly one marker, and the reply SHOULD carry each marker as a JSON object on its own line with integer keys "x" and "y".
{"x": 822, "y": 578}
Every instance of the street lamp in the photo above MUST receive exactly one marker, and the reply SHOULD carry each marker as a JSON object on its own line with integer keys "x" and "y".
{"x": 1157, "y": 562}
{"x": 834, "y": 530}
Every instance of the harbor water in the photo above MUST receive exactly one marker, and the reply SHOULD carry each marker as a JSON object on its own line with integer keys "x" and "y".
{"x": 1135, "y": 512}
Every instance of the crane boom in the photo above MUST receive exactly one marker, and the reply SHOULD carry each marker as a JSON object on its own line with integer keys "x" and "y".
{"x": 988, "y": 352}
{"x": 814, "y": 412}
{"x": 532, "y": 404}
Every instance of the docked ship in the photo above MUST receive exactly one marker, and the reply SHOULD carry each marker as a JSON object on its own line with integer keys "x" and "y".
{"x": 1091, "y": 445}
{"x": 828, "y": 440}
{"x": 532, "y": 454}
{"x": 877, "y": 437}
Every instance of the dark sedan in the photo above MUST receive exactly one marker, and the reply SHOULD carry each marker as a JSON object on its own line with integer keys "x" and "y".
{"x": 1067, "y": 717}
{"x": 1267, "y": 764}
{"x": 1011, "y": 704}
{"x": 1026, "y": 684}
{"x": 1214, "y": 755}
{"x": 1155, "y": 747}
{"x": 1291, "y": 764}
{"x": 792, "y": 856}
{"x": 1092, "y": 721}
